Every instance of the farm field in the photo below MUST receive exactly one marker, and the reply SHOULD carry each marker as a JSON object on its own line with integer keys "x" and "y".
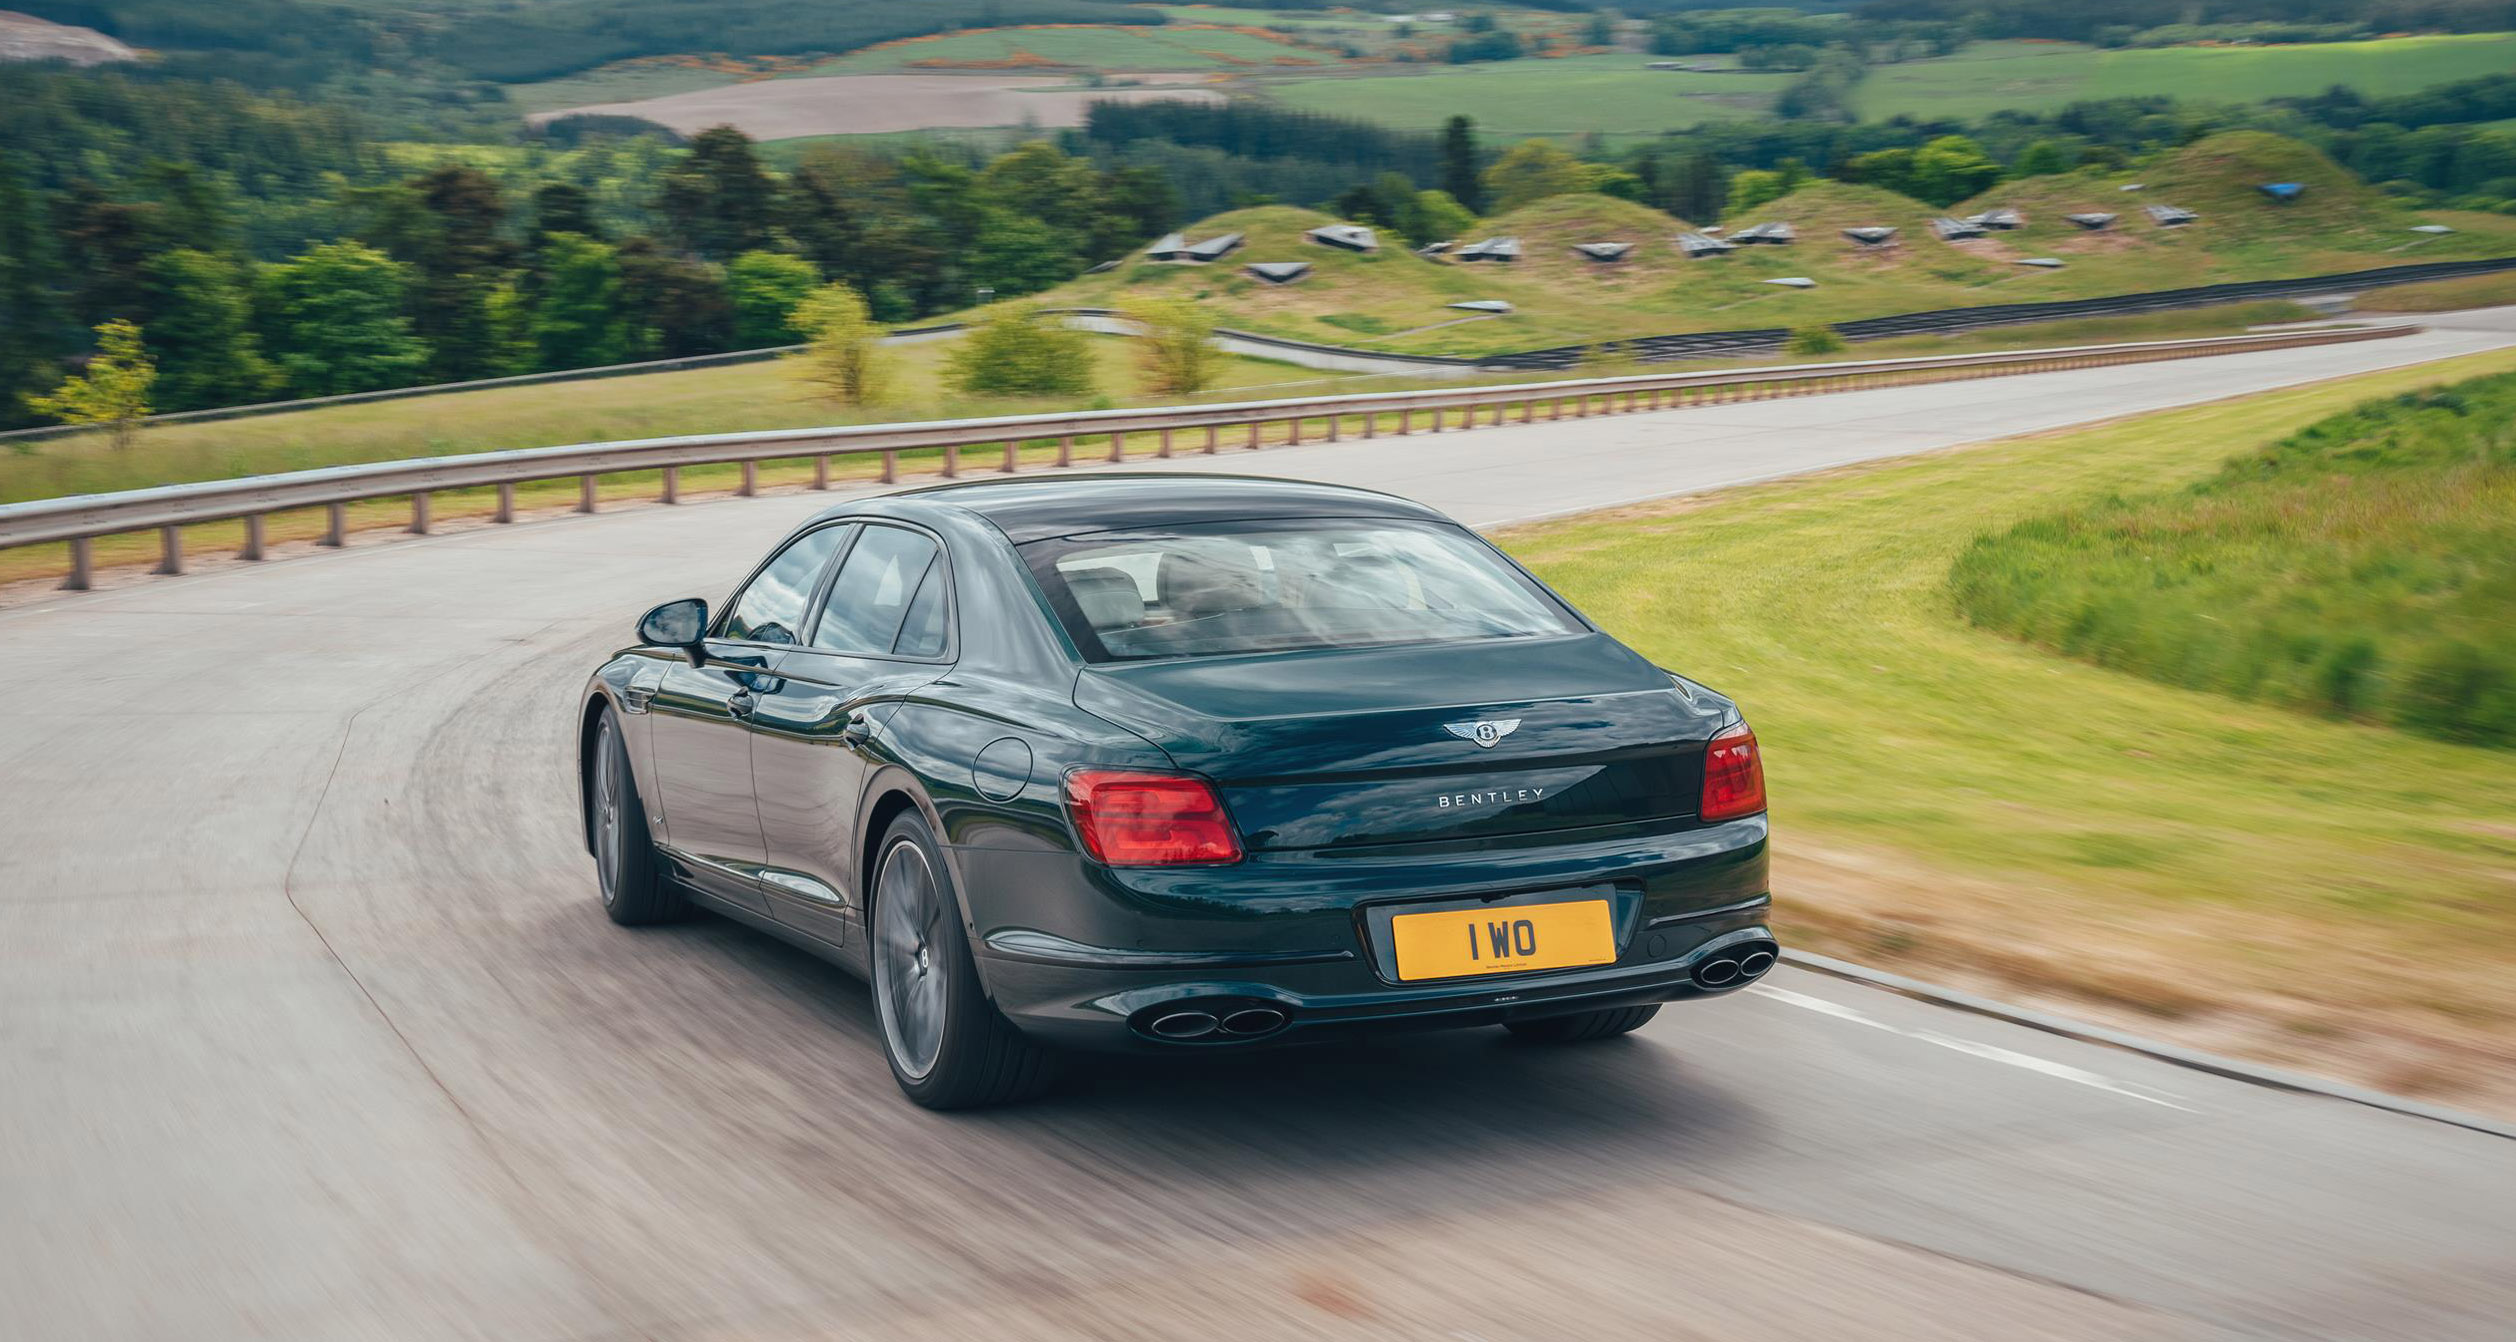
{"x": 2031, "y": 76}
{"x": 1966, "y": 807}
{"x": 1178, "y": 46}
{"x": 781, "y": 109}
{"x": 1612, "y": 95}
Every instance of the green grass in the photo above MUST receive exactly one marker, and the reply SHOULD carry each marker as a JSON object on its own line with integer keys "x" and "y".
{"x": 2364, "y": 567}
{"x": 2471, "y": 291}
{"x": 1568, "y": 96}
{"x": 1949, "y": 798}
{"x": 2039, "y": 76}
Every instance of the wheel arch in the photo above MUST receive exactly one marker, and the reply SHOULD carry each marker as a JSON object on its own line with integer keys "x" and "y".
{"x": 589, "y": 721}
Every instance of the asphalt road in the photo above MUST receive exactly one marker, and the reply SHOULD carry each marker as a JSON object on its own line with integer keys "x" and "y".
{"x": 310, "y": 1027}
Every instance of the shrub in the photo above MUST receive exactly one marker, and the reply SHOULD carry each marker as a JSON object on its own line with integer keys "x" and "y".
{"x": 1177, "y": 349}
{"x": 1814, "y": 340}
{"x": 844, "y": 353}
{"x": 1015, "y": 351}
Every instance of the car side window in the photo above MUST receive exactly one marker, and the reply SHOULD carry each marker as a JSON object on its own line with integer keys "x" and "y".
{"x": 922, "y": 633}
{"x": 869, "y": 600}
{"x": 771, "y": 609}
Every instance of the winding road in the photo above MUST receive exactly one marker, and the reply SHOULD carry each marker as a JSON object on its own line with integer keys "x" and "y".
{"x": 310, "y": 1027}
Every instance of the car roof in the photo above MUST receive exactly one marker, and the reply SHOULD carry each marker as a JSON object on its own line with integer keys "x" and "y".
{"x": 1041, "y": 507}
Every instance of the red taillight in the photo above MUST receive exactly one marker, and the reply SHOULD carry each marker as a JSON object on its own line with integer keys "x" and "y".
{"x": 1132, "y": 819}
{"x": 1734, "y": 775}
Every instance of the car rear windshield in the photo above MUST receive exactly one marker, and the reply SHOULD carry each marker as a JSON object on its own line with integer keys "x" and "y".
{"x": 1244, "y": 587}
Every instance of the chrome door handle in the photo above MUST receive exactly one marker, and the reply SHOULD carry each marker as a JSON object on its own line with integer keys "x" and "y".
{"x": 857, "y": 731}
{"x": 741, "y": 704}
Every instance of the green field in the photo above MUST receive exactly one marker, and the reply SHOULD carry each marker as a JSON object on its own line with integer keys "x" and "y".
{"x": 1398, "y": 301}
{"x": 1957, "y": 803}
{"x": 1573, "y": 95}
{"x": 2037, "y": 76}
{"x": 628, "y": 81}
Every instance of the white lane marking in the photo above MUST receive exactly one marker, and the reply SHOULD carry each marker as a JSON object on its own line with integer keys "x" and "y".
{"x": 2029, "y": 1061}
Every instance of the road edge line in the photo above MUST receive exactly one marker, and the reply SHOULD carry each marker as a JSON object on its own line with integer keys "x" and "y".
{"x": 2174, "y": 1054}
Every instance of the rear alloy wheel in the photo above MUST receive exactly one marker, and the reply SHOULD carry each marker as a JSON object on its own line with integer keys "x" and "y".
{"x": 635, "y": 888}
{"x": 948, "y": 1046}
{"x": 1586, "y": 1025}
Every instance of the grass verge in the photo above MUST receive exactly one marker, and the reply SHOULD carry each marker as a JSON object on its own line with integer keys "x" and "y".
{"x": 2320, "y": 894}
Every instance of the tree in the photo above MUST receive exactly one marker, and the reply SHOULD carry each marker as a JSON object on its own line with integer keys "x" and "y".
{"x": 765, "y": 289}
{"x": 451, "y": 232}
{"x": 1533, "y": 170}
{"x": 845, "y": 353}
{"x": 332, "y": 320}
{"x": 718, "y": 201}
{"x": 564, "y": 207}
{"x": 31, "y": 329}
{"x": 2044, "y": 158}
{"x": 1015, "y": 351}
{"x": 1459, "y": 169}
{"x": 577, "y": 323}
{"x": 673, "y": 306}
{"x": 1697, "y": 191}
{"x": 1952, "y": 168}
{"x": 1754, "y": 189}
{"x": 115, "y": 389}
{"x": 207, "y": 354}
{"x": 1177, "y": 348}
{"x": 1016, "y": 254}
{"x": 1432, "y": 216}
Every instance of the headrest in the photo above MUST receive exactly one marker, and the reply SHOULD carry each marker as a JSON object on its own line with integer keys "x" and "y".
{"x": 1108, "y": 596}
{"x": 1196, "y": 584}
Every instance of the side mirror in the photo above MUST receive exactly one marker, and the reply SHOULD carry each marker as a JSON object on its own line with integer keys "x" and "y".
{"x": 679, "y": 624}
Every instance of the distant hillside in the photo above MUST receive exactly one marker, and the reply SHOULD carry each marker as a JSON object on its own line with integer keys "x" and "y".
{"x": 1398, "y": 301}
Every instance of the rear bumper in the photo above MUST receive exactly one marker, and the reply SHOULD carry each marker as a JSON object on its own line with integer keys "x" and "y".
{"x": 1080, "y": 957}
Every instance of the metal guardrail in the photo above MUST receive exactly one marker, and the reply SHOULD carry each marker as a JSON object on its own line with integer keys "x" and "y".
{"x": 168, "y": 509}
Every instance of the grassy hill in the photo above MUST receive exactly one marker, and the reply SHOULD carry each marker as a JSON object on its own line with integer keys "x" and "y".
{"x": 1398, "y": 301}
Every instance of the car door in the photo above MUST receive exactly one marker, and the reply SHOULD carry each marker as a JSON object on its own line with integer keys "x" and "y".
{"x": 883, "y": 629}
{"x": 700, "y": 714}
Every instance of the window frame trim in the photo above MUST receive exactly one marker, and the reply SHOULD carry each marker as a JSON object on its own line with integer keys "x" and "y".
{"x": 952, "y": 597}
{"x": 821, "y": 578}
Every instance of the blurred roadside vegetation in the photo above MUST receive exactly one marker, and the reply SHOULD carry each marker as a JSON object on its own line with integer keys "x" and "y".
{"x": 2363, "y": 567}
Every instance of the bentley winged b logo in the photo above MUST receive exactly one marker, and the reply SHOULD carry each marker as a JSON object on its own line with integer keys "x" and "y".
{"x": 1484, "y": 732}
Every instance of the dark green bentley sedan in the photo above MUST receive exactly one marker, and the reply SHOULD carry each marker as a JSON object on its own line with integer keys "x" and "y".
{"x": 1177, "y": 762}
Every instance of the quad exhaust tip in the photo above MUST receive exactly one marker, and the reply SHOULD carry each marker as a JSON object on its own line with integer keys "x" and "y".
{"x": 1185, "y": 1025}
{"x": 1735, "y": 966}
{"x": 1254, "y": 1021}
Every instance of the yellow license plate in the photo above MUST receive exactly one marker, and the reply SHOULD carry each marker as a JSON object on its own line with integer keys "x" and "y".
{"x": 1459, "y": 942}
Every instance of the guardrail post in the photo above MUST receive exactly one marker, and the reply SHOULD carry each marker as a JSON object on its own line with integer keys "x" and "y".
{"x": 890, "y": 466}
{"x": 1118, "y": 447}
{"x": 1332, "y": 427}
{"x": 821, "y": 471}
{"x": 1066, "y": 450}
{"x": 1293, "y": 431}
{"x": 1165, "y": 450}
{"x": 586, "y": 501}
{"x": 1371, "y": 424}
{"x": 1013, "y": 457}
{"x": 751, "y": 479}
{"x": 1406, "y": 421}
{"x": 505, "y": 513}
{"x": 82, "y": 566}
{"x": 1255, "y": 428}
{"x": 952, "y": 461}
{"x": 419, "y": 514}
{"x": 170, "y": 549}
{"x": 253, "y": 537}
{"x": 1214, "y": 436}
{"x": 672, "y": 484}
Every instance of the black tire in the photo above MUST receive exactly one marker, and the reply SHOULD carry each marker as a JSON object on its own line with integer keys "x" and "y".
{"x": 948, "y": 1046}
{"x": 1584, "y": 1026}
{"x": 635, "y": 887}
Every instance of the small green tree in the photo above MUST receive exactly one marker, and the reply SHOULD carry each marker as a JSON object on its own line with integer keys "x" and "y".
{"x": 1177, "y": 351}
{"x": 1754, "y": 188}
{"x": 2044, "y": 158}
{"x": 1015, "y": 351}
{"x": 845, "y": 354}
{"x": 202, "y": 336}
{"x": 1433, "y": 216}
{"x": 1951, "y": 168}
{"x": 766, "y": 288}
{"x": 115, "y": 389}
